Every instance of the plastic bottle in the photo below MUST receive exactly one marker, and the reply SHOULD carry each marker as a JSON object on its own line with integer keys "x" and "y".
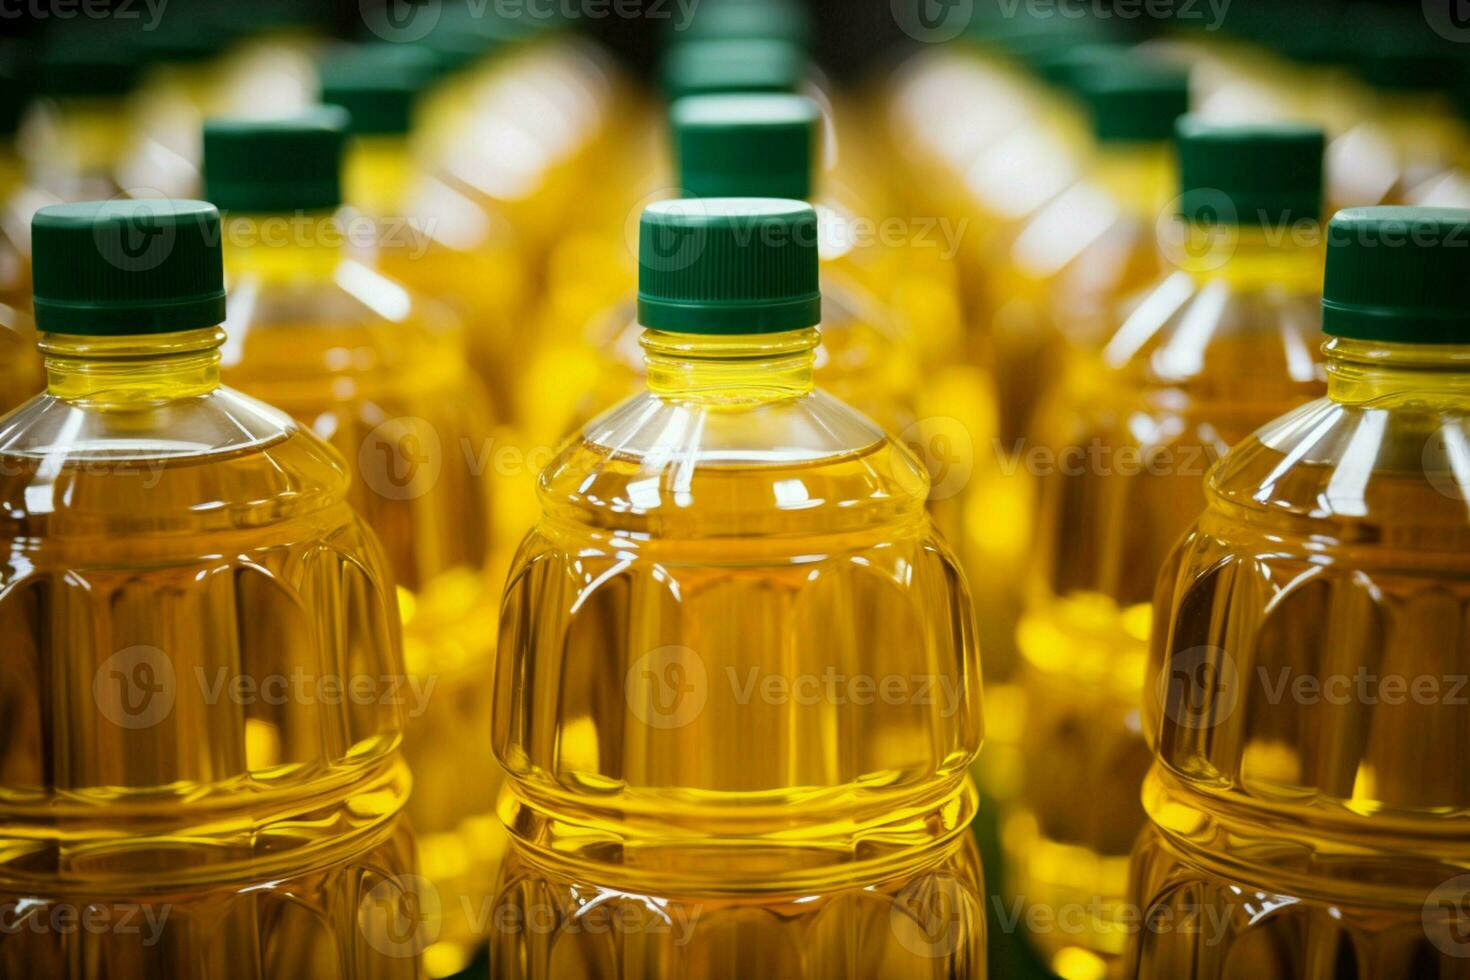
{"x": 184, "y": 584}
{"x": 434, "y": 239}
{"x": 733, "y": 525}
{"x": 1306, "y": 674}
{"x": 20, "y": 367}
{"x": 1194, "y": 364}
{"x": 83, "y": 125}
{"x": 765, "y": 145}
{"x": 1067, "y": 267}
{"x": 380, "y": 373}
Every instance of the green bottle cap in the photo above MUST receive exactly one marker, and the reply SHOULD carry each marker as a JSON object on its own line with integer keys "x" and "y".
{"x": 275, "y": 165}
{"x": 184, "y": 37}
{"x": 15, "y": 92}
{"x": 459, "y": 38}
{"x": 746, "y": 145}
{"x": 1268, "y": 174}
{"x": 744, "y": 20}
{"x": 378, "y": 84}
{"x": 1395, "y": 52}
{"x": 728, "y": 266}
{"x": 89, "y": 67}
{"x": 1061, "y": 66}
{"x": 714, "y": 67}
{"x": 118, "y": 268}
{"x": 1133, "y": 101}
{"x": 1398, "y": 275}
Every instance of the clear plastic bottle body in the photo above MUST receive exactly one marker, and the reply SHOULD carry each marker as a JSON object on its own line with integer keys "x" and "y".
{"x": 1199, "y": 362}
{"x": 730, "y": 528}
{"x": 440, "y": 242}
{"x": 1311, "y": 633}
{"x": 184, "y": 587}
{"x": 381, "y": 375}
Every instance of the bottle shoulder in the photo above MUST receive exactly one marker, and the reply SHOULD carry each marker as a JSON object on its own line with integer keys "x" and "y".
{"x": 358, "y": 321}
{"x": 655, "y": 467}
{"x": 1374, "y": 476}
{"x": 1187, "y": 328}
{"x": 217, "y": 461}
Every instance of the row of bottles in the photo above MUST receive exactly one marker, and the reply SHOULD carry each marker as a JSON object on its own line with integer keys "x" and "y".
{"x": 717, "y": 713}
{"x": 1146, "y": 306}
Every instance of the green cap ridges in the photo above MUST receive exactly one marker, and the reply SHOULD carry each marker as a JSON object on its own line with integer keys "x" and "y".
{"x": 1268, "y": 174}
{"x": 378, "y": 84}
{"x": 713, "y": 67}
{"x": 746, "y": 145}
{"x": 1398, "y": 275}
{"x": 728, "y": 266}
{"x": 90, "y": 66}
{"x": 118, "y": 268}
{"x": 1133, "y": 101}
{"x": 276, "y": 165}
{"x": 781, "y": 20}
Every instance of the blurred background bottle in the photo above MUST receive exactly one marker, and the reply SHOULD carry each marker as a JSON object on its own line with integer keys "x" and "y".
{"x": 1193, "y": 365}
{"x": 380, "y": 373}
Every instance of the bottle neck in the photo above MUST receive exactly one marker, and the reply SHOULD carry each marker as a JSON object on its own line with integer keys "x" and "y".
{"x": 1251, "y": 258}
{"x": 1139, "y": 176}
{"x": 730, "y": 369}
{"x": 1387, "y": 375}
{"x": 133, "y": 371}
{"x": 302, "y": 246}
{"x": 378, "y": 173}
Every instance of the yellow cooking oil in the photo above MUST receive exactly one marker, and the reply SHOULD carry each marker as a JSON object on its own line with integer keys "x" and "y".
{"x": 1219, "y": 345}
{"x": 737, "y": 692}
{"x": 81, "y": 129}
{"x": 431, "y": 237}
{"x": 1407, "y": 130}
{"x": 380, "y": 374}
{"x": 1062, "y": 272}
{"x": 763, "y": 145}
{"x": 1306, "y": 679}
{"x": 20, "y": 365}
{"x": 202, "y": 776}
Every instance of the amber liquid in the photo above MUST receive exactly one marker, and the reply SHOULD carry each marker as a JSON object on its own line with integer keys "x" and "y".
{"x": 180, "y": 793}
{"x": 1308, "y": 704}
{"x": 396, "y": 400}
{"x": 1130, "y": 447}
{"x": 689, "y": 638}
